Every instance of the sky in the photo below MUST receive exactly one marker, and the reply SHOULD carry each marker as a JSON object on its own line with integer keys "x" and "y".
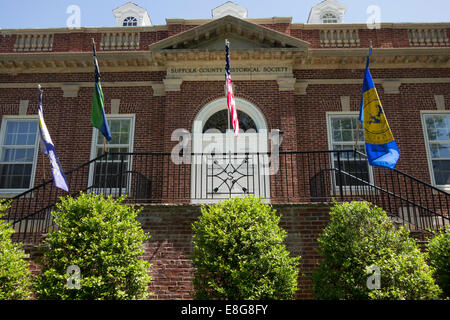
{"x": 17, "y": 14}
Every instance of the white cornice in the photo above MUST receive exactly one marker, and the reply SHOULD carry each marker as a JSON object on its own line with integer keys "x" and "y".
{"x": 133, "y": 61}
{"x": 301, "y": 82}
{"x": 363, "y": 26}
{"x": 83, "y": 30}
{"x": 228, "y": 25}
{"x": 197, "y": 22}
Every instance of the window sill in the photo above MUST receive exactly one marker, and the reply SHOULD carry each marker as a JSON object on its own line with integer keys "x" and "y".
{"x": 445, "y": 188}
{"x": 353, "y": 191}
{"x": 108, "y": 191}
{"x": 11, "y": 194}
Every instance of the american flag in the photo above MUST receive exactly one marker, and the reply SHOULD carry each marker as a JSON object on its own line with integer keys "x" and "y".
{"x": 230, "y": 95}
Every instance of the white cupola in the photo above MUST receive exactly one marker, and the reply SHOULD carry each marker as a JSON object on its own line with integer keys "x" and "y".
{"x": 229, "y": 8}
{"x": 328, "y": 11}
{"x": 131, "y": 15}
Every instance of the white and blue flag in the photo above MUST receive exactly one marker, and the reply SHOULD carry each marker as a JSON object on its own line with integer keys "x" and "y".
{"x": 48, "y": 148}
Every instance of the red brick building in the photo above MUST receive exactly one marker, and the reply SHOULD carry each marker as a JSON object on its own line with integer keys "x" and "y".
{"x": 301, "y": 80}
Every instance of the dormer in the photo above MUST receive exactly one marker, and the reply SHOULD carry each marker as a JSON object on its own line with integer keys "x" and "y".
{"x": 229, "y": 9}
{"x": 328, "y": 11}
{"x": 131, "y": 15}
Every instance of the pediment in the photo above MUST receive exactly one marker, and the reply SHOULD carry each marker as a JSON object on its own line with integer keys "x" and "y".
{"x": 242, "y": 34}
{"x": 130, "y": 6}
{"x": 229, "y": 8}
{"x": 327, "y": 6}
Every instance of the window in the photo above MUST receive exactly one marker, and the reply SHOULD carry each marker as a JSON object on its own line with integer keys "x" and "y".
{"x": 219, "y": 121}
{"x": 18, "y": 152}
{"x": 329, "y": 18}
{"x": 113, "y": 172}
{"x": 342, "y": 136}
{"x": 437, "y": 138}
{"x": 130, "y": 22}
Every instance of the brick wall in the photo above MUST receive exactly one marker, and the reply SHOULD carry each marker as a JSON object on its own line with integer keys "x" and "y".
{"x": 170, "y": 246}
{"x": 80, "y": 41}
{"x": 301, "y": 117}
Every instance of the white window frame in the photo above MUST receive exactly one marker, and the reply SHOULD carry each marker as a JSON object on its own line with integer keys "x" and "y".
{"x": 344, "y": 114}
{"x": 424, "y": 113}
{"x": 323, "y": 18}
{"x": 130, "y": 21}
{"x": 5, "y": 119}
{"x": 200, "y": 143}
{"x": 96, "y": 132}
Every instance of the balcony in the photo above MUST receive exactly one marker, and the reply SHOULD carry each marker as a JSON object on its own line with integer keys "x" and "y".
{"x": 428, "y": 37}
{"x": 287, "y": 177}
{"x": 339, "y": 38}
{"x": 120, "y": 41}
{"x": 33, "y": 42}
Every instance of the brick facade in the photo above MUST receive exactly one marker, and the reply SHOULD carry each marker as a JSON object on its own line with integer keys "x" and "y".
{"x": 408, "y": 76}
{"x": 170, "y": 247}
{"x": 300, "y": 116}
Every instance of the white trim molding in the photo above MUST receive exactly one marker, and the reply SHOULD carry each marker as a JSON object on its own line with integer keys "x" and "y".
{"x": 94, "y": 145}
{"x": 12, "y": 192}
{"x": 424, "y": 113}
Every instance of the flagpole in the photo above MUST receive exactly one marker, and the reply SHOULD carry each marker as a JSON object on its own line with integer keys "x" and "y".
{"x": 43, "y": 166}
{"x": 357, "y": 134}
{"x": 104, "y": 145}
{"x": 43, "y": 157}
{"x": 358, "y": 124}
{"x": 227, "y": 43}
{"x": 104, "y": 139}
{"x": 228, "y": 111}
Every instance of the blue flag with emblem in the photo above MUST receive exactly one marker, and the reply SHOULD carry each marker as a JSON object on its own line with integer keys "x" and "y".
{"x": 48, "y": 148}
{"x": 381, "y": 149}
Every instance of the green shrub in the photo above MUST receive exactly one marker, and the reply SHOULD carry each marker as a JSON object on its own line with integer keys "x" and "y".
{"x": 15, "y": 277}
{"x": 439, "y": 257}
{"x": 103, "y": 239}
{"x": 360, "y": 236}
{"x": 239, "y": 253}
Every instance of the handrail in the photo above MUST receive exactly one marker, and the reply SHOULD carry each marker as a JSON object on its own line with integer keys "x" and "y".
{"x": 388, "y": 192}
{"x": 50, "y": 181}
{"x": 151, "y": 177}
{"x": 411, "y": 177}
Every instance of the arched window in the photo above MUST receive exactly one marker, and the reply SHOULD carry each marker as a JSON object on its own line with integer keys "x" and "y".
{"x": 329, "y": 18}
{"x": 130, "y": 22}
{"x": 218, "y": 121}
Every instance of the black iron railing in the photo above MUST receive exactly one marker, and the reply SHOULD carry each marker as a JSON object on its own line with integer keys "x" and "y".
{"x": 288, "y": 177}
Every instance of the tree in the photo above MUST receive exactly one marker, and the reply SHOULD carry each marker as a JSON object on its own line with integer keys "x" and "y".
{"x": 239, "y": 253}
{"x": 361, "y": 240}
{"x": 95, "y": 252}
{"x": 439, "y": 257}
{"x": 15, "y": 277}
